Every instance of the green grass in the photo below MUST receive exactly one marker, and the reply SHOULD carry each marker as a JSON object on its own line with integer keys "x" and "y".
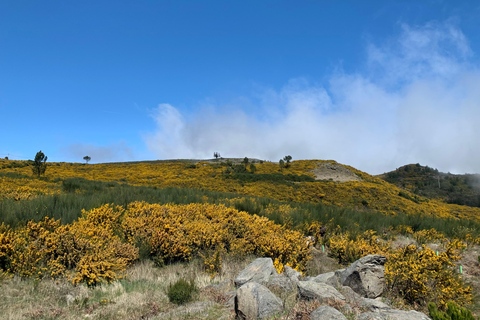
{"x": 277, "y": 178}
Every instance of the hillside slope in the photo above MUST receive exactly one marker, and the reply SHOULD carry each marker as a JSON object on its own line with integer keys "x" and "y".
{"x": 299, "y": 182}
{"x": 463, "y": 189}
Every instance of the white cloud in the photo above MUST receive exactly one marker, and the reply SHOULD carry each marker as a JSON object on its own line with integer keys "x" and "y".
{"x": 418, "y": 101}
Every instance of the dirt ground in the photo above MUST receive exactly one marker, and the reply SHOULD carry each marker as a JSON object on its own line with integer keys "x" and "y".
{"x": 334, "y": 172}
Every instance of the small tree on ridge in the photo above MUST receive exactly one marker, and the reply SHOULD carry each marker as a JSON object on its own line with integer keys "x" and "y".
{"x": 39, "y": 164}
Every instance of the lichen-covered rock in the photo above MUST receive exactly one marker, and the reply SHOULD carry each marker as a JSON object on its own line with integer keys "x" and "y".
{"x": 292, "y": 274}
{"x": 317, "y": 290}
{"x": 365, "y": 276}
{"x": 258, "y": 271}
{"x": 351, "y": 296}
{"x": 280, "y": 282}
{"x": 373, "y": 305}
{"x": 254, "y": 301}
{"x": 393, "y": 314}
{"x": 329, "y": 278}
{"x": 327, "y": 313}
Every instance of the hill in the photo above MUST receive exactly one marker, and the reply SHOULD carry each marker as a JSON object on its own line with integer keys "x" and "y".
{"x": 80, "y": 228}
{"x": 462, "y": 189}
{"x": 304, "y": 181}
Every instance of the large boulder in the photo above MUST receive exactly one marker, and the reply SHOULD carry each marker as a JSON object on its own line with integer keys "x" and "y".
{"x": 258, "y": 271}
{"x": 393, "y": 314}
{"x": 254, "y": 301}
{"x": 365, "y": 276}
{"x": 327, "y": 313}
{"x": 316, "y": 290}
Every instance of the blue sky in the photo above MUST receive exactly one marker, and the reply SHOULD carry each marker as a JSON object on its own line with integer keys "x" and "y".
{"x": 372, "y": 84}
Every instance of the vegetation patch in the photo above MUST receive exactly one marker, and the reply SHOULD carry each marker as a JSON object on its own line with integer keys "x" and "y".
{"x": 181, "y": 291}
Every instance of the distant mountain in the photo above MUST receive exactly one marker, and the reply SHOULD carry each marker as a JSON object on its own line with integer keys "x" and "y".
{"x": 462, "y": 189}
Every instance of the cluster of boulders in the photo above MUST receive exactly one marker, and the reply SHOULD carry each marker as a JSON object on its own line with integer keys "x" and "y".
{"x": 356, "y": 290}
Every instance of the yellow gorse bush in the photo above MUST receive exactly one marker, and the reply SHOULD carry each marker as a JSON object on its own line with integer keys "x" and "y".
{"x": 347, "y": 249}
{"x": 419, "y": 276}
{"x": 104, "y": 241}
{"x": 430, "y": 235}
{"x": 176, "y": 232}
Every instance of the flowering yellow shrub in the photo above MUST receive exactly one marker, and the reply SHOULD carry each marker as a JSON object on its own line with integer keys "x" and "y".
{"x": 347, "y": 249}
{"x": 402, "y": 229}
{"x": 431, "y": 235}
{"x": 24, "y": 189}
{"x": 34, "y": 246}
{"x": 47, "y": 249}
{"x": 104, "y": 241}
{"x": 6, "y": 246}
{"x": 176, "y": 232}
{"x": 420, "y": 276}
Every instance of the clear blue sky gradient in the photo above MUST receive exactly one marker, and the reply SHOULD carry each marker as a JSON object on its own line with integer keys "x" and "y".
{"x": 89, "y": 74}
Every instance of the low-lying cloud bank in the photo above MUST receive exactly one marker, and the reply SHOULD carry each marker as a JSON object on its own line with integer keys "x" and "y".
{"x": 417, "y": 101}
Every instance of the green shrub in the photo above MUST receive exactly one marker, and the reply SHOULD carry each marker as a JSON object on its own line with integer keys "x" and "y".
{"x": 181, "y": 291}
{"x": 454, "y": 312}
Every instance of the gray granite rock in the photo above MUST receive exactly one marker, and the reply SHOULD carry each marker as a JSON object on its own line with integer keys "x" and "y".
{"x": 320, "y": 291}
{"x": 254, "y": 301}
{"x": 393, "y": 314}
{"x": 365, "y": 276}
{"x": 327, "y": 313}
{"x": 258, "y": 271}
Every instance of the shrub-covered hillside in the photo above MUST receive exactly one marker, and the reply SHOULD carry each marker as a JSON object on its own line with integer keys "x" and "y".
{"x": 462, "y": 189}
{"x": 296, "y": 183}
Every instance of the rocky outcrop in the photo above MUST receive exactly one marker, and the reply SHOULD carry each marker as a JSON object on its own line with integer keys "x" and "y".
{"x": 366, "y": 276}
{"x": 254, "y": 301}
{"x": 351, "y": 289}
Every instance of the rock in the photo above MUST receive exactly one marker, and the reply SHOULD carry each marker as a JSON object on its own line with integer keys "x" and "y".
{"x": 316, "y": 290}
{"x": 351, "y": 296}
{"x": 258, "y": 271}
{"x": 329, "y": 278}
{"x": 393, "y": 315}
{"x": 327, "y": 313}
{"x": 280, "y": 282}
{"x": 254, "y": 301}
{"x": 230, "y": 299}
{"x": 366, "y": 276}
{"x": 373, "y": 305}
{"x": 293, "y": 274}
